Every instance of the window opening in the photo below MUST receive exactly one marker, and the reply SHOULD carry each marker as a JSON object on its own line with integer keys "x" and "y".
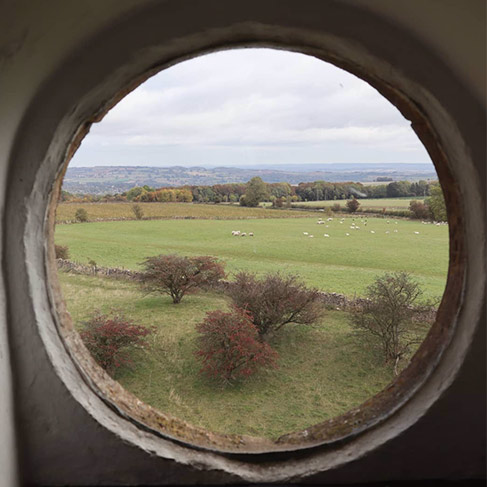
{"x": 336, "y": 232}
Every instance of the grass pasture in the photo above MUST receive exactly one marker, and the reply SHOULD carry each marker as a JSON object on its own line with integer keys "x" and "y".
{"x": 323, "y": 370}
{"x": 123, "y": 211}
{"x": 338, "y": 263}
{"x": 378, "y": 203}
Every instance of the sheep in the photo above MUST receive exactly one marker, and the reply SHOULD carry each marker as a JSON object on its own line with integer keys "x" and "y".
{"x": 395, "y": 231}
{"x": 305, "y": 233}
{"x": 236, "y": 233}
{"x": 372, "y": 231}
{"x": 417, "y": 233}
{"x": 347, "y": 234}
{"x": 325, "y": 235}
{"x": 243, "y": 234}
{"x": 387, "y": 232}
{"x": 251, "y": 234}
{"x": 310, "y": 236}
{"x": 320, "y": 222}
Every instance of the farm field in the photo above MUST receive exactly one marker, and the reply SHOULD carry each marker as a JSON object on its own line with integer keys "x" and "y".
{"x": 117, "y": 211}
{"x": 323, "y": 369}
{"x": 338, "y": 263}
{"x": 387, "y": 203}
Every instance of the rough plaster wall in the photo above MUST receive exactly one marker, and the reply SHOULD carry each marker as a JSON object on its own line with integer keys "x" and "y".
{"x": 30, "y": 49}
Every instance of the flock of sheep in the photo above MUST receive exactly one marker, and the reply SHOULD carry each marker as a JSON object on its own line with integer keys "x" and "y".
{"x": 353, "y": 226}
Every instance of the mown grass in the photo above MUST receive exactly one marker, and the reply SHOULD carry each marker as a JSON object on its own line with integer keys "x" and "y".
{"x": 338, "y": 263}
{"x": 387, "y": 203}
{"x": 323, "y": 371}
{"x": 123, "y": 211}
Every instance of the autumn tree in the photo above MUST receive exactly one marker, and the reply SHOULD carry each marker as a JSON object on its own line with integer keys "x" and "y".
{"x": 229, "y": 347}
{"x": 352, "y": 205}
{"x": 419, "y": 210}
{"x": 275, "y": 300}
{"x": 178, "y": 275}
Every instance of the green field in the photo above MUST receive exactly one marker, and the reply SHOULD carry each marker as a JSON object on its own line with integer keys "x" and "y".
{"x": 379, "y": 203}
{"x": 123, "y": 211}
{"x": 323, "y": 369}
{"x": 338, "y": 263}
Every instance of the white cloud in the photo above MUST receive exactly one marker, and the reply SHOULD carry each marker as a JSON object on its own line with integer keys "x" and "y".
{"x": 254, "y": 98}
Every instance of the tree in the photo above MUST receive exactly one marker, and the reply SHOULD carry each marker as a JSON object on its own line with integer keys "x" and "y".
{"x": 229, "y": 346}
{"x": 138, "y": 211}
{"x": 275, "y": 301}
{"x": 419, "y": 210}
{"x": 110, "y": 338}
{"x": 61, "y": 252}
{"x": 398, "y": 189}
{"x": 177, "y": 275}
{"x": 436, "y": 203}
{"x": 352, "y": 205}
{"x": 387, "y": 314}
{"x": 255, "y": 192}
{"x": 81, "y": 215}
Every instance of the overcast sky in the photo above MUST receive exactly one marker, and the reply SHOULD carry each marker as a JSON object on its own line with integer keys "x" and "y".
{"x": 250, "y": 107}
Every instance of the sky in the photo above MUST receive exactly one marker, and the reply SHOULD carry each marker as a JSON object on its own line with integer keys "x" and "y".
{"x": 251, "y": 107}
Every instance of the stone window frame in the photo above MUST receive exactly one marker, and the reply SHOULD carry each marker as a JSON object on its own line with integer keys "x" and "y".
{"x": 56, "y": 122}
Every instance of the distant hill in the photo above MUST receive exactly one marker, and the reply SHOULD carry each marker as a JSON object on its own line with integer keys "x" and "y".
{"x": 117, "y": 179}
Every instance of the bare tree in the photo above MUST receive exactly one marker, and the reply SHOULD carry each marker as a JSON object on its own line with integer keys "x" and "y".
{"x": 387, "y": 315}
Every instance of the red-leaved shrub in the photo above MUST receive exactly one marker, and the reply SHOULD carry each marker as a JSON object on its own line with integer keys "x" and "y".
{"x": 275, "y": 300}
{"x": 229, "y": 346}
{"x": 109, "y": 339}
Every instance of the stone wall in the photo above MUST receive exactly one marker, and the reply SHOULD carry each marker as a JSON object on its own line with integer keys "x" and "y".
{"x": 330, "y": 300}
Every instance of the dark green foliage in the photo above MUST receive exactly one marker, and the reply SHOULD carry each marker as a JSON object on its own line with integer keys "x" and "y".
{"x": 81, "y": 215}
{"x": 275, "y": 300}
{"x": 436, "y": 204}
{"x": 255, "y": 192}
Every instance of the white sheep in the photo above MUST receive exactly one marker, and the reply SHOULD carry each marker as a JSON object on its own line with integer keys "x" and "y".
{"x": 387, "y": 231}
{"x": 325, "y": 235}
{"x": 305, "y": 233}
{"x": 310, "y": 236}
{"x": 372, "y": 231}
{"x": 417, "y": 233}
{"x": 251, "y": 234}
{"x": 347, "y": 234}
{"x": 243, "y": 234}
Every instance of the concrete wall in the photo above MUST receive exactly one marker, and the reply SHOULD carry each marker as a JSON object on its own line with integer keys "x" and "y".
{"x": 59, "y": 61}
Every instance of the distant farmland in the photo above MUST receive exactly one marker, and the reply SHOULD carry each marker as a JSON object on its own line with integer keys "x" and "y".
{"x": 387, "y": 203}
{"x": 123, "y": 211}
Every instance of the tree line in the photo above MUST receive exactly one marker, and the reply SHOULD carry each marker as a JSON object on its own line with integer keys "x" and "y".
{"x": 277, "y": 193}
